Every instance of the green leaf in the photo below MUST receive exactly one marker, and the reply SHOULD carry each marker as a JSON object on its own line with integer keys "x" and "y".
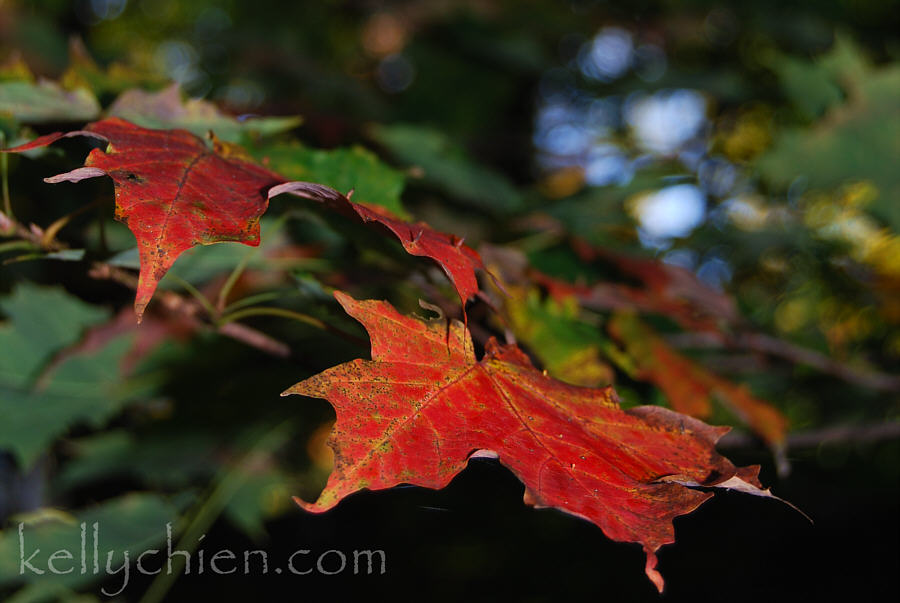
{"x": 45, "y": 101}
{"x": 567, "y": 347}
{"x": 65, "y": 255}
{"x": 372, "y": 180}
{"x": 41, "y": 592}
{"x": 200, "y": 264}
{"x": 132, "y": 523}
{"x": 853, "y": 140}
{"x": 41, "y": 321}
{"x": 162, "y": 459}
{"x": 810, "y": 86}
{"x": 83, "y": 388}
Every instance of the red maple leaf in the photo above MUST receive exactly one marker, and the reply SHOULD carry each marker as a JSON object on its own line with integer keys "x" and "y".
{"x": 424, "y": 405}
{"x": 457, "y": 260}
{"x": 172, "y": 191}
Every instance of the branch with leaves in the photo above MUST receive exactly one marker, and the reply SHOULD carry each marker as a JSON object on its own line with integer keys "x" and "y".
{"x": 436, "y": 393}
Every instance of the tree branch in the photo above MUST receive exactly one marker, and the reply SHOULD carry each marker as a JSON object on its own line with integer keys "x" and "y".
{"x": 173, "y": 302}
{"x": 839, "y": 434}
{"x": 773, "y": 346}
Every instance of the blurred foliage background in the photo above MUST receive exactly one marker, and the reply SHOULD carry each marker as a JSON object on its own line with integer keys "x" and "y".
{"x": 754, "y": 144}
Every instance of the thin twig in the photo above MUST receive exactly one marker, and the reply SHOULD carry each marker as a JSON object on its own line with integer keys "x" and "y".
{"x": 172, "y": 301}
{"x": 839, "y": 434}
{"x": 255, "y": 339}
{"x": 776, "y": 347}
{"x": 197, "y": 295}
{"x": 299, "y": 317}
{"x": 191, "y": 310}
{"x": 51, "y": 231}
{"x": 4, "y": 176}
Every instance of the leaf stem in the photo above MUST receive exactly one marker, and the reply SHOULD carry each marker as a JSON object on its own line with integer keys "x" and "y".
{"x": 51, "y": 231}
{"x": 18, "y": 244}
{"x": 232, "y": 280}
{"x": 4, "y": 176}
{"x": 298, "y": 316}
{"x": 196, "y": 294}
{"x": 242, "y": 265}
{"x": 251, "y": 300}
{"x": 267, "y": 311}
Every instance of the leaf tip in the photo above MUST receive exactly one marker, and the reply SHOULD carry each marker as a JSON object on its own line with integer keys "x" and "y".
{"x": 316, "y": 507}
{"x": 140, "y": 304}
{"x": 298, "y": 389}
{"x": 651, "y": 571}
{"x": 76, "y": 175}
{"x": 343, "y": 298}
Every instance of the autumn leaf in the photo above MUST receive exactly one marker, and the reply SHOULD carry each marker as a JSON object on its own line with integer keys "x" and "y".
{"x": 175, "y": 193}
{"x": 457, "y": 260}
{"x": 688, "y": 386}
{"x": 424, "y": 405}
{"x": 172, "y": 191}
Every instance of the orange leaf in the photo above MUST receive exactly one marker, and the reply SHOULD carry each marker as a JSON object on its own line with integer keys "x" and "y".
{"x": 688, "y": 386}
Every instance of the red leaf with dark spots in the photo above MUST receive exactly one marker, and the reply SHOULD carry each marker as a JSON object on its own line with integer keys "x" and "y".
{"x": 173, "y": 192}
{"x": 424, "y": 405}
